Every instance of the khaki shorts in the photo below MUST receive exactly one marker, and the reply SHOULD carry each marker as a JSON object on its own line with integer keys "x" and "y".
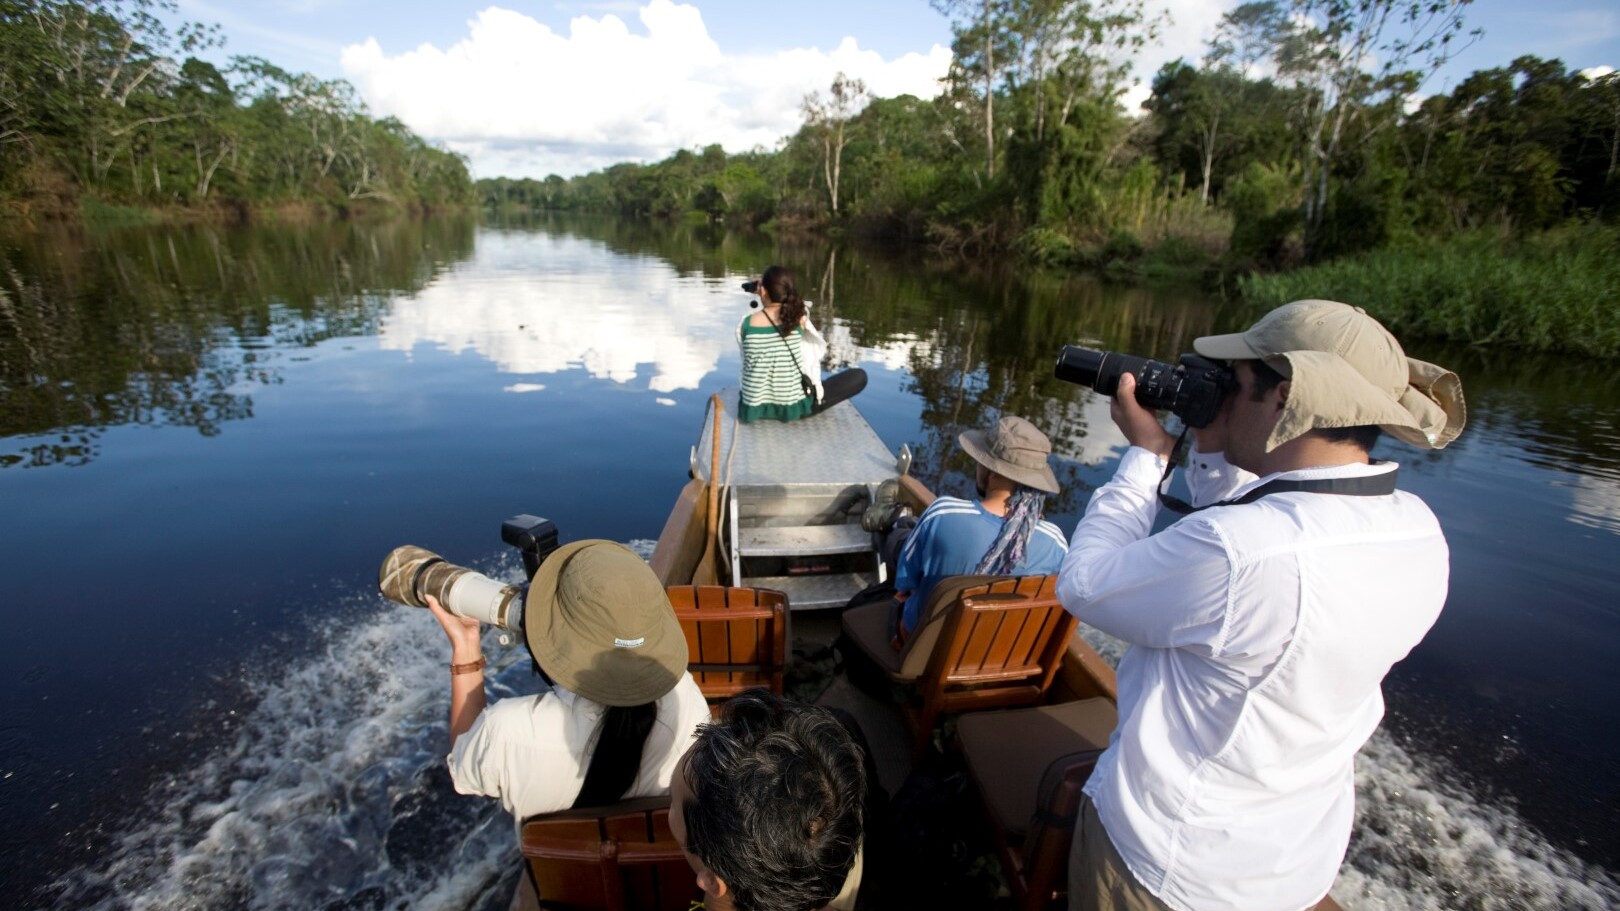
{"x": 1098, "y": 877}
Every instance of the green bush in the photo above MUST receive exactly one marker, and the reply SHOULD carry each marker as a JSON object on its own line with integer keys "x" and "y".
{"x": 1265, "y": 214}
{"x": 1554, "y": 291}
{"x": 1045, "y": 247}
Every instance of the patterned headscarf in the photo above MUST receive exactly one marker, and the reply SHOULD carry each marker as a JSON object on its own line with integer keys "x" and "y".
{"x": 1007, "y": 550}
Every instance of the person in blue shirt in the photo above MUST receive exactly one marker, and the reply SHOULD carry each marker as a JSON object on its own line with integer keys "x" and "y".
{"x": 1000, "y": 533}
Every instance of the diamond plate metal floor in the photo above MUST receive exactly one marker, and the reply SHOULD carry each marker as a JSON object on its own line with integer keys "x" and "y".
{"x": 836, "y": 447}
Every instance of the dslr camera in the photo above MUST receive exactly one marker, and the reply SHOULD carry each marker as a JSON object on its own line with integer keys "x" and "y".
{"x": 751, "y": 286}
{"x": 410, "y": 573}
{"x": 1192, "y": 390}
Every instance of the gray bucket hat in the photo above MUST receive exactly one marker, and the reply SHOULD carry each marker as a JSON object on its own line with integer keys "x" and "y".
{"x": 1013, "y": 448}
{"x": 601, "y": 625}
{"x": 1346, "y": 370}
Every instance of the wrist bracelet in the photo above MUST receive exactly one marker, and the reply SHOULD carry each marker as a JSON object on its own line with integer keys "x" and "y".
{"x": 471, "y": 667}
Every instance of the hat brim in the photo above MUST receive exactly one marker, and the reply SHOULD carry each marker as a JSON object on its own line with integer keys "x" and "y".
{"x": 1325, "y": 391}
{"x": 1233, "y": 347}
{"x": 623, "y": 678}
{"x": 976, "y": 443}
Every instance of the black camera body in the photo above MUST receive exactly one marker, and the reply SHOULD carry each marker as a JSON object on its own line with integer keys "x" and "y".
{"x": 1192, "y": 390}
{"x": 751, "y": 286}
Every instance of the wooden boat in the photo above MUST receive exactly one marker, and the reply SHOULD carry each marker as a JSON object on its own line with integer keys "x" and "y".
{"x": 777, "y": 508}
{"x": 795, "y": 493}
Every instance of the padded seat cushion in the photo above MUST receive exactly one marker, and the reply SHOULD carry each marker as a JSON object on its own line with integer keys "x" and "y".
{"x": 1008, "y": 752}
{"x": 868, "y": 627}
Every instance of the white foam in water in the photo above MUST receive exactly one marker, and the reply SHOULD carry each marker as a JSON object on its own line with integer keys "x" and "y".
{"x": 332, "y": 794}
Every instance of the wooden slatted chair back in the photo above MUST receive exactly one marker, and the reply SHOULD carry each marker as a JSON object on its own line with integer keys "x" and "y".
{"x": 620, "y": 857}
{"x": 737, "y": 637}
{"x": 1001, "y": 647}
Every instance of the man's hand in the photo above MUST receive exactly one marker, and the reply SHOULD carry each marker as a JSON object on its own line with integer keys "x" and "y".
{"x": 466, "y": 643}
{"x": 1140, "y": 426}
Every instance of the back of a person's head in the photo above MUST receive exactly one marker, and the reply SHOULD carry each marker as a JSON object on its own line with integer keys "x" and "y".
{"x": 783, "y": 288}
{"x": 777, "y": 791}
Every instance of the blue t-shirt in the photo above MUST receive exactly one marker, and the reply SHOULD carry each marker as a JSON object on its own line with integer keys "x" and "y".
{"x": 951, "y": 538}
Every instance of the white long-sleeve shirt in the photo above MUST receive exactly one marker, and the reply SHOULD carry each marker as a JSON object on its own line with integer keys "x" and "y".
{"x": 1259, "y": 637}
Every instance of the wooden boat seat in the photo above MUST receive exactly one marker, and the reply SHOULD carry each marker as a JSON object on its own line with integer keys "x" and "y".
{"x": 1028, "y": 766}
{"x": 868, "y": 627}
{"x": 1001, "y": 647}
{"x": 615, "y": 858}
{"x": 737, "y": 637}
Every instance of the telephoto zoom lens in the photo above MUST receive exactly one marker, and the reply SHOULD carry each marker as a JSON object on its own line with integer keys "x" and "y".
{"x": 409, "y": 574}
{"x": 1156, "y": 381}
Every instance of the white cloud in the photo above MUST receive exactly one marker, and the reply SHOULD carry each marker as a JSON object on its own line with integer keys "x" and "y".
{"x": 522, "y": 100}
{"x": 1191, "y": 25}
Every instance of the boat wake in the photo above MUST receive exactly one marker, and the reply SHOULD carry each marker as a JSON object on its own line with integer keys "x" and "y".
{"x": 333, "y": 795}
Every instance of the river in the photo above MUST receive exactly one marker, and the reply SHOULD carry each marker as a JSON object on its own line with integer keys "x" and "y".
{"x": 210, "y": 437}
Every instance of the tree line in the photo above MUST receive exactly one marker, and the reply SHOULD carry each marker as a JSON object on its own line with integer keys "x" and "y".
{"x": 103, "y": 98}
{"x": 1297, "y": 137}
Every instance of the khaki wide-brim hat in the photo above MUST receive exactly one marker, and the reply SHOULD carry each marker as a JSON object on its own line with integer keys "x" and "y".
{"x": 600, "y": 624}
{"x": 1346, "y": 370}
{"x": 1013, "y": 448}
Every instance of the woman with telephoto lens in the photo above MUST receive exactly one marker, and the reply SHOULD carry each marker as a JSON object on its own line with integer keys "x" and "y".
{"x": 781, "y": 357}
{"x": 620, "y": 708}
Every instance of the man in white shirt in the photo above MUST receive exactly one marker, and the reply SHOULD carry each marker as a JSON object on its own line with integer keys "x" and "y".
{"x": 1261, "y": 627}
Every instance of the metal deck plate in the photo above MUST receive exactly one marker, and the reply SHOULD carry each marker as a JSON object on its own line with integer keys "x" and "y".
{"x": 793, "y": 541}
{"x": 815, "y": 592}
{"x": 834, "y": 447}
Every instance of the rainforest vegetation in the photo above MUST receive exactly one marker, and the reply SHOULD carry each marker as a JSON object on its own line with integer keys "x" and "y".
{"x": 1302, "y": 136}
{"x": 1307, "y": 150}
{"x": 105, "y": 108}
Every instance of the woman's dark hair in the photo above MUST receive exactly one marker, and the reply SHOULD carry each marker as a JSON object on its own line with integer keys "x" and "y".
{"x": 1267, "y": 378}
{"x": 779, "y": 284}
{"x": 620, "y": 738}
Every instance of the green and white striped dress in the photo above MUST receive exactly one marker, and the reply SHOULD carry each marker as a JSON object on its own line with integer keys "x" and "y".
{"x": 770, "y": 376}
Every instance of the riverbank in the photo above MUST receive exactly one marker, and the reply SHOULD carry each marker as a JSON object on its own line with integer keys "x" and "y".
{"x": 94, "y": 210}
{"x": 1554, "y": 291}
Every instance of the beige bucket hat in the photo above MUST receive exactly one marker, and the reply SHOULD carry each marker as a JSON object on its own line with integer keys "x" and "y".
{"x": 1346, "y": 370}
{"x": 1013, "y": 448}
{"x": 600, "y": 624}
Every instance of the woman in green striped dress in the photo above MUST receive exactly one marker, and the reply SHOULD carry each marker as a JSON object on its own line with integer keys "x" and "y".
{"x": 774, "y": 382}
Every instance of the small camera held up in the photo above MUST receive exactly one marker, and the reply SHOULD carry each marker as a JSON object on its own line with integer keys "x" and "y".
{"x": 1192, "y": 390}
{"x": 409, "y": 574}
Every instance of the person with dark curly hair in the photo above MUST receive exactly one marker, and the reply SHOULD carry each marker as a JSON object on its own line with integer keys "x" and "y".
{"x": 769, "y": 806}
{"x": 781, "y": 357}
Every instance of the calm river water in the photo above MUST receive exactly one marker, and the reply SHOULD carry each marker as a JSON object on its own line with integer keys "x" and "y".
{"x": 209, "y": 438}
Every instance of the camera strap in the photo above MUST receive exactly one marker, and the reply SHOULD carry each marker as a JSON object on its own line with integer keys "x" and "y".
{"x": 1378, "y": 485}
{"x": 804, "y": 380}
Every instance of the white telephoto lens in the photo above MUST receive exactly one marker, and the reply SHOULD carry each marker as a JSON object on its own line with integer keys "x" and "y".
{"x": 483, "y": 599}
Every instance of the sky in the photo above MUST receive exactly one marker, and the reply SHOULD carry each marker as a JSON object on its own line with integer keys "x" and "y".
{"x": 526, "y": 89}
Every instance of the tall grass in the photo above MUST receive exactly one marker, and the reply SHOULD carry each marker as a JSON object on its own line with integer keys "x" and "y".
{"x": 1556, "y": 291}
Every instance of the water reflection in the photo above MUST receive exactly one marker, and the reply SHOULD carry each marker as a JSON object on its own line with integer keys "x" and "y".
{"x": 177, "y": 327}
{"x": 542, "y": 305}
